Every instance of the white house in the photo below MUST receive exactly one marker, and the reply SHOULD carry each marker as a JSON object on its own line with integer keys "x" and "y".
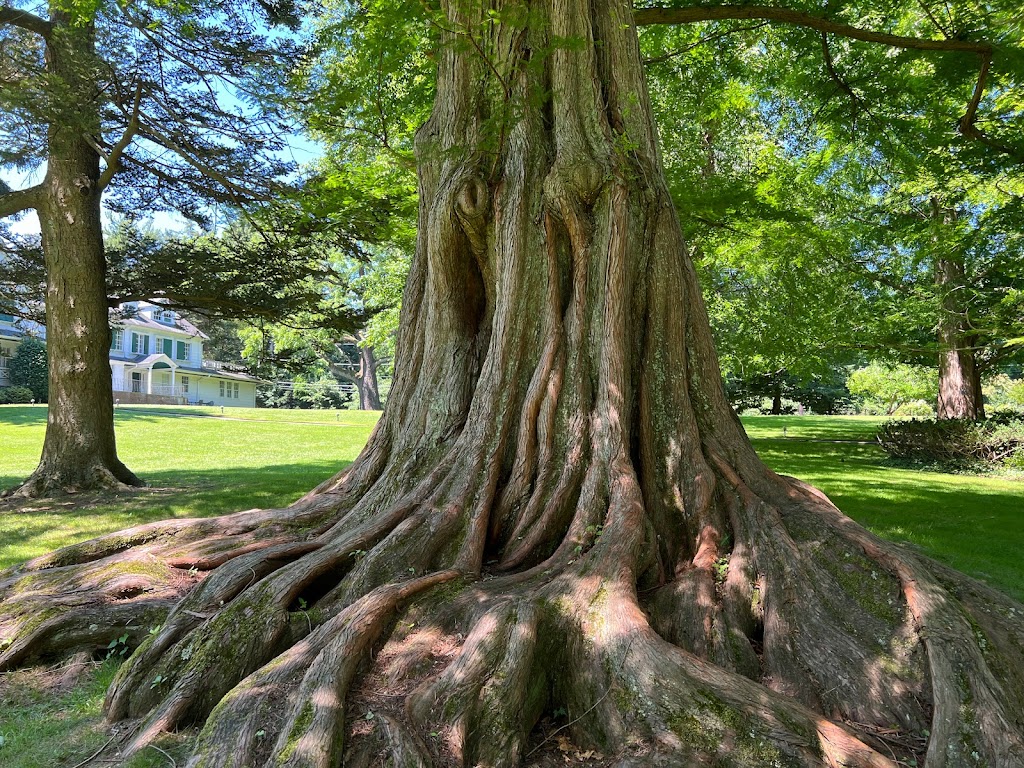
{"x": 10, "y": 337}
{"x": 155, "y": 351}
{"x": 155, "y": 356}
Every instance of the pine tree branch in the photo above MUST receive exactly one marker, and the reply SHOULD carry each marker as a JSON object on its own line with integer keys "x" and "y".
{"x": 16, "y": 201}
{"x": 114, "y": 157}
{"x": 25, "y": 20}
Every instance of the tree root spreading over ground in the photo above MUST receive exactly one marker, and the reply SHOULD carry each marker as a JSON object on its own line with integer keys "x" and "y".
{"x": 558, "y": 518}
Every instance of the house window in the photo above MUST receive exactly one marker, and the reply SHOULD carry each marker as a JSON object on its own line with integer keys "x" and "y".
{"x": 167, "y": 316}
{"x": 140, "y": 344}
{"x": 184, "y": 384}
{"x": 222, "y": 389}
{"x": 184, "y": 350}
{"x": 236, "y": 390}
{"x": 116, "y": 339}
{"x": 5, "y": 352}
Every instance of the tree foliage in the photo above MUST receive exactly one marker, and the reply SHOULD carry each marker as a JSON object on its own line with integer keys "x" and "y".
{"x": 28, "y": 368}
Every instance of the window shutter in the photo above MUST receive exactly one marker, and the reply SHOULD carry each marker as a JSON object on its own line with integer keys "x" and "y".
{"x": 181, "y": 351}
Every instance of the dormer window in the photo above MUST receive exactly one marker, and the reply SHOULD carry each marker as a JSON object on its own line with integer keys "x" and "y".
{"x": 165, "y": 316}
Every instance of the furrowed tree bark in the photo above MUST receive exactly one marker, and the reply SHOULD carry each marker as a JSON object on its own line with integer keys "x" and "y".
{"x": 558, "y": 517}
{"x": 79, "y": 451}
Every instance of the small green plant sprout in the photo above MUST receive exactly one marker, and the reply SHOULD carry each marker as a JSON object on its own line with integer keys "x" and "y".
{"x": 156, "y": 681}
{"x": 302, "y": 604}
{"x": 721, "y": 567}
{"x": 118, "y": 646}
{"x": 154, "y": 630}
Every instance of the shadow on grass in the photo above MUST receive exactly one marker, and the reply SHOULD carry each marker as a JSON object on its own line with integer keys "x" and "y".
{"x": 975, "y": 524}
{"x": 30, "y": 527}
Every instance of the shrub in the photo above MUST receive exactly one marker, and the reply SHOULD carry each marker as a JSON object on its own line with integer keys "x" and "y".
{"x": 915, "y": 409}
{"x": 16, "y": 395}
{"x": 956, "y": 442}
{"x": 29, "y": 369}
{"x": 319, "y": 394}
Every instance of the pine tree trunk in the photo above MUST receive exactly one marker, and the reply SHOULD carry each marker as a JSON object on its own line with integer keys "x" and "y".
{"x": 960, "y": 395}
{"x": 558, "y": 515}
{"x": 79, "y": 450}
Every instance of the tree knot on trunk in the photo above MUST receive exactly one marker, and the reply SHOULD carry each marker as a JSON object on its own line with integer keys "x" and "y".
{"x": 83, "y": 184}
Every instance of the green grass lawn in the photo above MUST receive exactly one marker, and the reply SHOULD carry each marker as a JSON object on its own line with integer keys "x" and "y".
{"x": 200, "y": 462}
{"x": 209, "y": 461}
{"x": 197, "y": 464}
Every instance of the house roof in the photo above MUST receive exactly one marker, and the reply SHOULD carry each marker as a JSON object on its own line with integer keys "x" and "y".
{"x": 144, "y": 360}
{"x": 220, "y": 374}
{"x": 180, "y": 324}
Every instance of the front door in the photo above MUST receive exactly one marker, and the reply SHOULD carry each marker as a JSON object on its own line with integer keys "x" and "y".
{"x": 138, "y": 381}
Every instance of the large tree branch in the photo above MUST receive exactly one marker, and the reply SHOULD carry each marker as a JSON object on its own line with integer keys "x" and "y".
{"x": 25, "y": 20}
{"x": 114, "y": 157}
{"x": 967, "y": 125}
{"x": 649, "y": 16}
{"x": 16, "y": 201}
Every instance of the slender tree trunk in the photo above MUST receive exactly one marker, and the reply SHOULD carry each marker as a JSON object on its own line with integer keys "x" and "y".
{"x": 79, "y": 450}
{"x": 777, "y": 400}
{"x": 369, "y": 393}
{"x": 960, "y": 395}
{"x": 558, "y": 515}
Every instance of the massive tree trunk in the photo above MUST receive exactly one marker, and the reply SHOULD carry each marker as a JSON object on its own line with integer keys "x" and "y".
{"x": 960, "y": 395}
{"x": 557, "y": 515}
{"x": 79, "y": 451}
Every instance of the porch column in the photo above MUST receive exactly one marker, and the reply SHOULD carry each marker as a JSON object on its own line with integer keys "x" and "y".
{"x": 149, "y": 381}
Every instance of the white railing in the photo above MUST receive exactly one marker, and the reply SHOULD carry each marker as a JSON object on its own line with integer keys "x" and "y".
{"x": 143, "y": 388}
{"x": 5, "y": 377}
{"x": 168, "y": 389}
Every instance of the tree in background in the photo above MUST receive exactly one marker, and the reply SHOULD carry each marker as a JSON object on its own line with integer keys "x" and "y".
{"x": 28, "y": 368}
{"x": 885, "y": 387}
{"x": 559, "y": 510}
{"x": 809, "y": 196}
{"x": 162, "y": 106}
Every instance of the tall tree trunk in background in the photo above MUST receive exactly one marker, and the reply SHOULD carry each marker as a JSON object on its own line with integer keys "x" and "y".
{"x": 960, "y": 395}
{"x": 366, "y": 381}
{"x": 79, "y": 450}
{"x": 558, "y": 514}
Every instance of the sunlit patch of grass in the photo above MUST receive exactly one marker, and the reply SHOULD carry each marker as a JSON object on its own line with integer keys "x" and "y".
{"x": 196, "y": 464}
{"x": 973, "y": 523}
{"x": 46, "y": 726}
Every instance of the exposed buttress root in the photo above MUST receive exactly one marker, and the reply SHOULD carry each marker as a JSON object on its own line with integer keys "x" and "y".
{"x": 558, "y": 518}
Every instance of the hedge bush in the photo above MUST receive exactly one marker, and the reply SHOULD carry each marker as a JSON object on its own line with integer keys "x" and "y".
{"x": 15, "y": 395}
{"x": 28, "y": 368}
{"x": 999, "y": 441}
